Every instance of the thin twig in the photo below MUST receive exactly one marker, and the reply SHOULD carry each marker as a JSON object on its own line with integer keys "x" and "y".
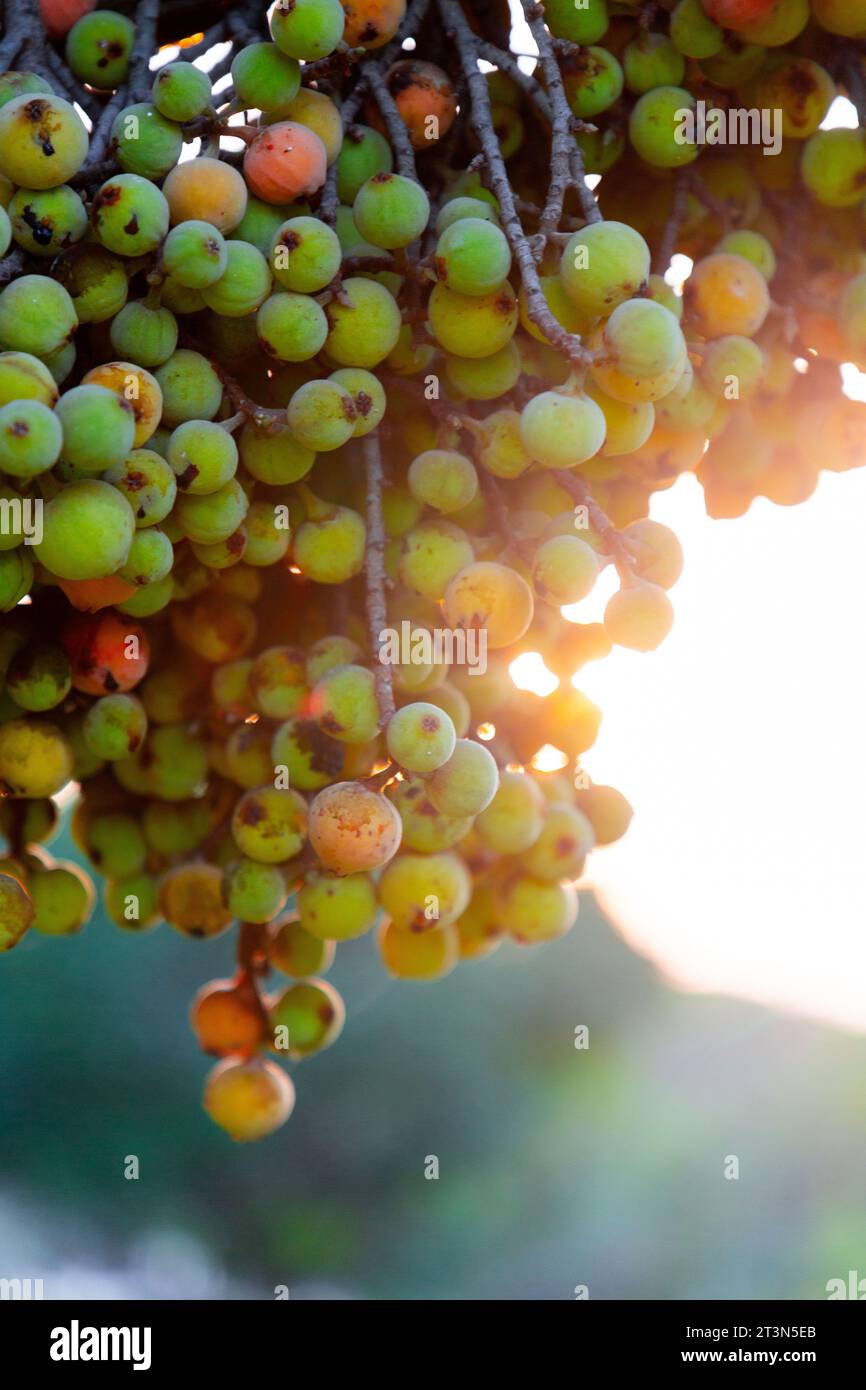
{"x": 339, "y": 63}
{"x": 508, "y": 64}
{"x": 394, "y": 123}
{"x": 601, "y": 523}
{"x": 492, "y": 492}
{"x": 64, "y": 78}
{"x": 549, "y": 47}
{"x": 410, "y": 24}
{"x": 94, "y": 173}
{"x": 537, "y": 307}
{"x": 719, "y": 209}
{"x": 245, "y": 22}
{"x": 143, "y": 48}
{"x": 566, "y": 163}
{"x": 101, "y": 134}
{"x": 329, "y": 199}
{"x": 266, "y": 418}
{"x": 11, "y": 265}
{"x": 852, "y": 74}
{"x": 252, "y": 959}
{"x": 668, "y": 239}
{"x": 374, "y": 572}
{"x": 23, "y": 24}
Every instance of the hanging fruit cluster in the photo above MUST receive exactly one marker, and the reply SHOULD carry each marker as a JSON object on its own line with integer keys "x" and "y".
{"x": 328, "y": 377}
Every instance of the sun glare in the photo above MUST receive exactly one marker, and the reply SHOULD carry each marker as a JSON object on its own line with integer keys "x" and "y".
{"x": 741, "y": 745}
{"x": 549, "y": 759}
{"x": 529, "y": 672}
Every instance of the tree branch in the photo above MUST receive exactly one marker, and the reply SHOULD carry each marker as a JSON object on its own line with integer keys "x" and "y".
{"x": 143, "y": 48}
{"x": 616, "y": 547}
{"x": 566, "y": 163}
{"x": 668, "y": 239}
{"x": 61, "y": 76}
{"x": 507, "y": 63}
{"x": 23, "y": 24}
{"x": 394, "y": 123}
{"x": 567, "y": 343}
{"x": 11, "y": 266}
{"x": 411, "y": 23}
{"x": 852, "y": 74}
{"x": 374, "y": 573}
{"x": 492, "y": 492}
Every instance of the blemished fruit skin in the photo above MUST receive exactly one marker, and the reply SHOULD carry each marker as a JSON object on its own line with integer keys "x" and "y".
{"x": 48, "y": 221}
{"x": 304, "y": 255}
{"x": 108, "y": 653}
{"x": 371, "y": 22}
{"x": 43, "y": 141}
{"x": 15, "y": 84}
{"x": 353, "y": 829}
{"x": 339, "y": 392}
{"x": 129, "y": 215}
{"x": 99, "y": 47}
{"x": 425, "y": 100}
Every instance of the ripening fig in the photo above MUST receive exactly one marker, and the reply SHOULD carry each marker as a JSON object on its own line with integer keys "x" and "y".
{"x": 129, "y": 215}
{"x": 248, "y": 1100}
{"x": 307, "y": 29}
{"x": 43, "y": 141}
{"x": 36, "y": 315}
{"x": 181, "y": 91}
{"x": 391, "y": 211}
{"x": 145, "y": 141}
{"x": 265, "y": 77}
{"x": 98, "y": 48}
{"x": 285, "y": 161}
{"x": 364, "y": 154}
{"x": 48, "y": 221}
